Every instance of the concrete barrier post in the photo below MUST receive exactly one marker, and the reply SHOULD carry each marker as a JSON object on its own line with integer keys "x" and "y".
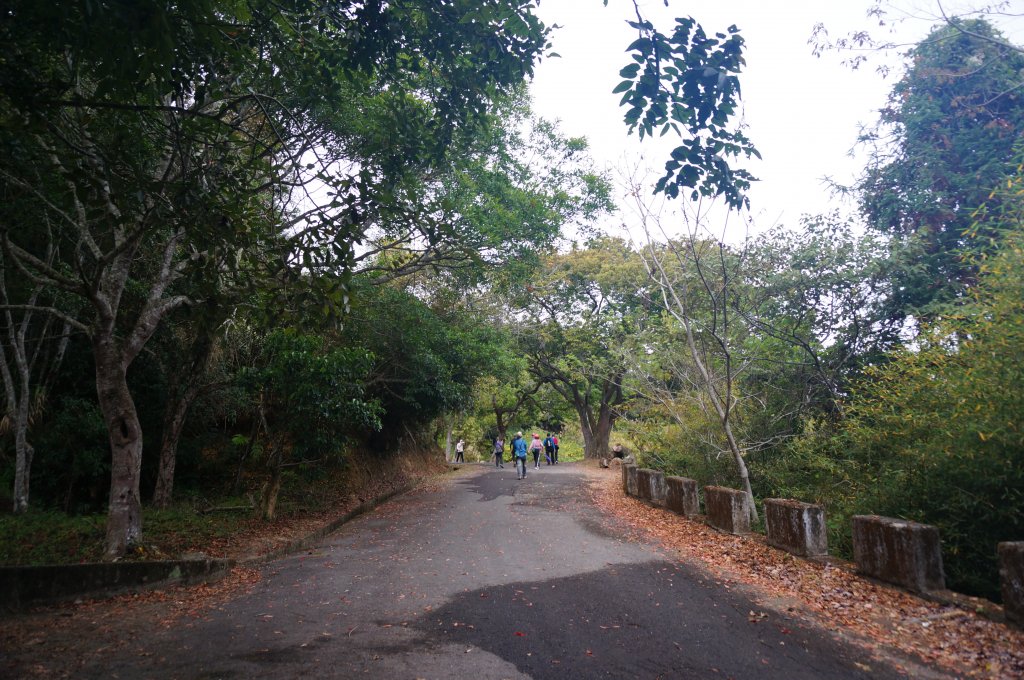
{"x": 643, "y": 482}
{"x": 681, "y": 496}
{"x": 632, "y": 481}
{"x": 658, "y": 488}
{"x": 625, "y": 479}
{"x": 727, "y": 509}
{"x": 1011, "y": 576}
{"x": 796, "y": 527}
{"x": 897, "y": 551}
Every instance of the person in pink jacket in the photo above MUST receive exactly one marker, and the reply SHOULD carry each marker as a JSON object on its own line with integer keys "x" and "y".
{"x": 536, "y": 446}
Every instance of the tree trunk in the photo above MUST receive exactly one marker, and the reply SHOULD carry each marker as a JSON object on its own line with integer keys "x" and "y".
{"x": 447, "y": 440}
{"x": 588, "y": 431}
{"x": 721, "y": 398}
{"x": 603, "y": 433}
{"x": 268, "y": 502}
{"x": 596, "y": 431}
{"x": 18, "y": 409}
{"x": 23, "y": 469}
{"x": 23, "y": 451}
{"x": 741, "y": 468}
{"x": 499, "y": 420}
{"x": 185, "y": 387}
{"x": 174, "y": 423}
{"x": 124, "y": 518}
{"x": 18, "y": 394}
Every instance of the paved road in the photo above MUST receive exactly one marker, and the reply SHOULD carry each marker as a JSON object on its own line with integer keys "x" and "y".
{"x": 493, "y": 578}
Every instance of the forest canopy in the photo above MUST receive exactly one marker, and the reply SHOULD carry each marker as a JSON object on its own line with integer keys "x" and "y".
{"x": 247, "y": 244}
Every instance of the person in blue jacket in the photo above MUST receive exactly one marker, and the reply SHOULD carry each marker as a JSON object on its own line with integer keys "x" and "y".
{"x": 519, "y": 452}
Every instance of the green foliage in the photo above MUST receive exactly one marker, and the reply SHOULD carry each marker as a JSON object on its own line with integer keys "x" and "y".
{"x": 307, "y": 396}
{"x": 687, "y": 82}
{"x": 425, "y": 363}
{"x": 73, "y": 478}
{"x": 821, "y": 290}
{"x": 53, "y": 537}
{"x": 954, "y": 120}
{"x": 510, "y": 184}
{"x": 581, "y": 314}
{"x": 50, "y": 537}
{"x": 936, "y": 434}
{"x": 676, "y": 437}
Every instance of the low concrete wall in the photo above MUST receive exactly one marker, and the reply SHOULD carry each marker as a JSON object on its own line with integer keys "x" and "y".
{"x": 681, "y": 496}
{"x": 632, "y": 480}
{"x": 727, "y": 509}
{"x": 897, "y": 551}
{"x": 658, "y": 487}
{"x": 643, "y": 483}
{"x": 796, "y": 527}
{"x": 20, "y": 586}
{"x": 1011, "y": 576}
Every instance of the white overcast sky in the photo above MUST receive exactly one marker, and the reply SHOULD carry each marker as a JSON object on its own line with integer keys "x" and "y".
{"x": 802, "y": 112}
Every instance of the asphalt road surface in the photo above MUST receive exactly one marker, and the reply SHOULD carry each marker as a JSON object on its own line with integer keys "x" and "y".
{"x": 491, "y": 578}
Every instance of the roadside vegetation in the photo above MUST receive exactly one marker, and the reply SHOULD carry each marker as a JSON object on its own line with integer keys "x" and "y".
{"x": 243, "y": 285}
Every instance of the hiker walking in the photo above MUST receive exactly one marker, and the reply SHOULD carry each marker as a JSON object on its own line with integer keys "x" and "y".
{"x": 549, "y": 449}
{"x": 535, "y": 449}
{"x": 554, "y": 443}
{"x": 519, "y": 453}
{"x": 460, "y": 448}
{"x": 499, "y": 451}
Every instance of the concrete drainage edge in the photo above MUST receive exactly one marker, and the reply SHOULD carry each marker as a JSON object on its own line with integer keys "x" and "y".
{"x": 24, "y": 586}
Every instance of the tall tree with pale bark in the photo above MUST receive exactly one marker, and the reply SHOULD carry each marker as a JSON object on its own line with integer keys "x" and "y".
{"x": 168, "y": 141}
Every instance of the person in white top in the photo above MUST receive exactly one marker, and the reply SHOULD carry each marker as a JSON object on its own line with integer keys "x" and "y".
{"x": 460, "y": 448}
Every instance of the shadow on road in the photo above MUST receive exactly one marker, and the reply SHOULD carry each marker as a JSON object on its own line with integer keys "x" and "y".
{"x": 649, "y": 620}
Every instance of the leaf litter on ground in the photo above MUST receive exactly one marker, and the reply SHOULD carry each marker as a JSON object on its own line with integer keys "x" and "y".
{"x": 957, "y": 640}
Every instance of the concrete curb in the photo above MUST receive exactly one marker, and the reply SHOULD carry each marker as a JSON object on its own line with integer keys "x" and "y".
{"x": 21, "y": 587}
{"x": 24, "y": 586}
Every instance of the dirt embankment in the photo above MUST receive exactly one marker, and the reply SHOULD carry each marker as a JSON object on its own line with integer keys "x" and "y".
{"x": 366, "y": 478}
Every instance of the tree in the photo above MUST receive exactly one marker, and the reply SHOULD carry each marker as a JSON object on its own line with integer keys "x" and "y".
{"x": 934, "y": 434}
{"x": 509, "y": 187}
{"x": 511, "y": 183}
{"x": 223, "y": 138}
{"x": 694, "y": 281}
{"x": 189, "y": 377}
{"x": 946, "y": 139}
{"x": 307, "y": 395}
{"x": 506, "y": 394}
{"x": 31, "y": 352}
{"x": 822, "y": 291}
{"x": 579, "y": 315}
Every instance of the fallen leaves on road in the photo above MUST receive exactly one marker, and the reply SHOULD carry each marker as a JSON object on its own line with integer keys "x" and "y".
{"x": 122, "y": 621}
{"x": 840, "y": 600}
